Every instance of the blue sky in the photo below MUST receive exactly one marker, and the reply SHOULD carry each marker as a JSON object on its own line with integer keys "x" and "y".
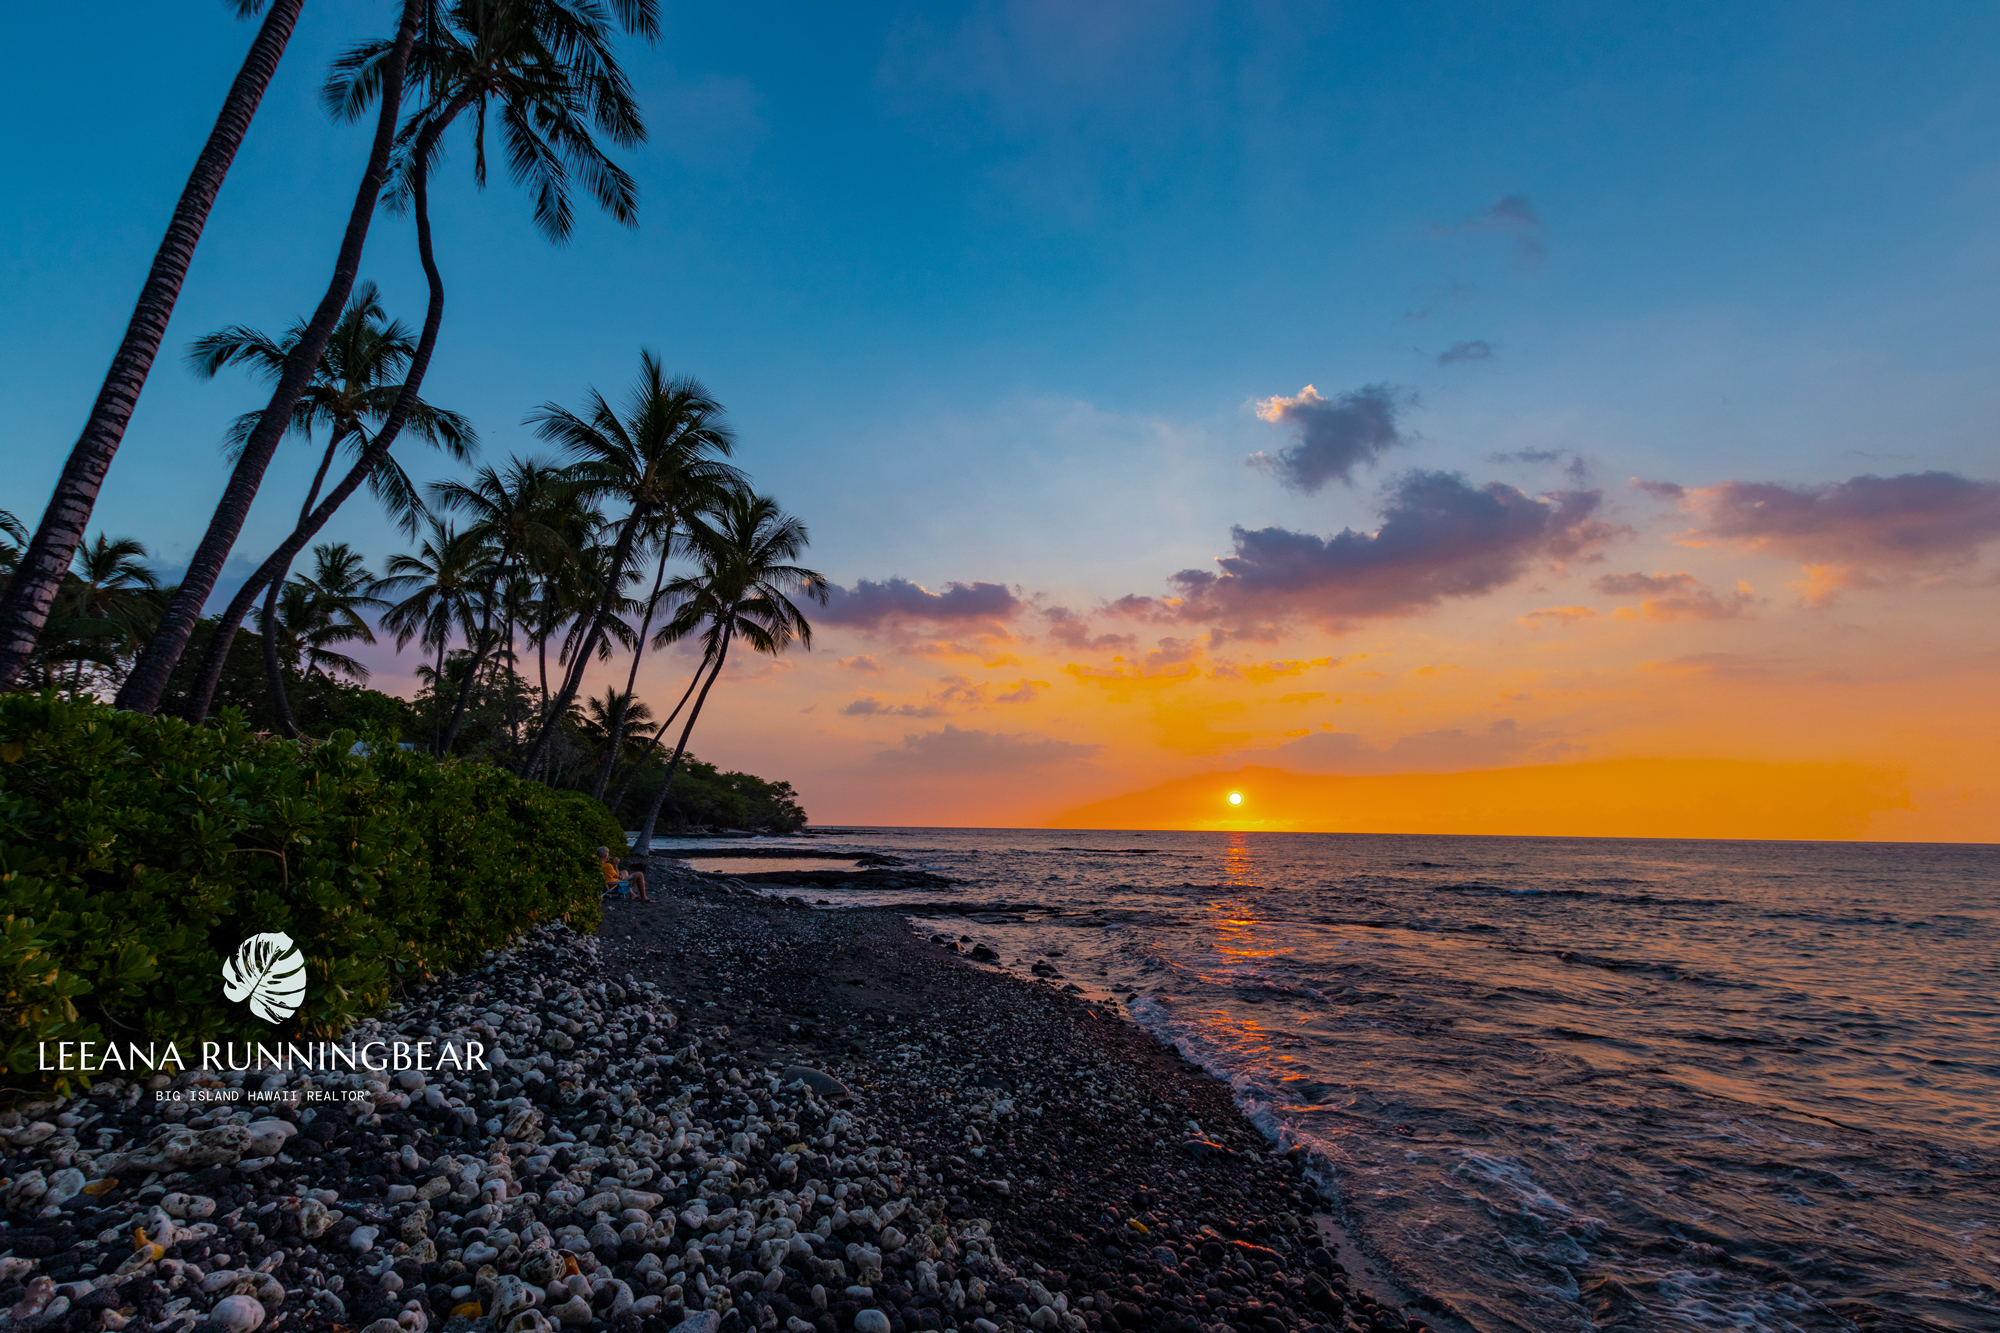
{"x": 969, "y": 276}
{"x": 993, "y": 293}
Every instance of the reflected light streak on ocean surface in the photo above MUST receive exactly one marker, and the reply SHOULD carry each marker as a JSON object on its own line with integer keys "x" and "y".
{"x": 1565, "y": 1084}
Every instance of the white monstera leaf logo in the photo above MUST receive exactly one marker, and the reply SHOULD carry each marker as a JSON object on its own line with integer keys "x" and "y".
{"x": 270, "y": 972}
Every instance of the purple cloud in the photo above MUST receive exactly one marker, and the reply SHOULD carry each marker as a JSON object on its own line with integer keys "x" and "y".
{"x": 869, "y": 604}
{"x": 1440, "y": 537}
{"x": 1336, "y": 435}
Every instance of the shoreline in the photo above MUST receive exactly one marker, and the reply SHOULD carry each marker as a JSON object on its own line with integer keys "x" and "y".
{"x": 685, "y": 1116}
{"x": 1115, "y": 1101}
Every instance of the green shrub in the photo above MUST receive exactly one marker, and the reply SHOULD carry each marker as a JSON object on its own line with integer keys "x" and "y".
{"x": 137, "y": 853}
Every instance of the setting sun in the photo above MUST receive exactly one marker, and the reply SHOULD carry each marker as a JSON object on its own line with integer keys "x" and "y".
{"x": 1236, "y": 798}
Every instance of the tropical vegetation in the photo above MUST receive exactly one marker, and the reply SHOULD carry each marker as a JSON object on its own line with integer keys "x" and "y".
{"x": 171, "y": 776}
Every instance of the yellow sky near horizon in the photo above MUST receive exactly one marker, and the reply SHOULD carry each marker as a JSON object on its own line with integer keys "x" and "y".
{"x": 1884, "y": 693}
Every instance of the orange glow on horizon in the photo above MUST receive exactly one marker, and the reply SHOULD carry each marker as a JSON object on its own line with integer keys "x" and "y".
{"x": 1630, "y": 798}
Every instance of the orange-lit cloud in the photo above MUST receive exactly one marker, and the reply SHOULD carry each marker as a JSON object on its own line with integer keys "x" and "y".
{"x": 1675, "y": 596}
{"x": 1863, "y": 532}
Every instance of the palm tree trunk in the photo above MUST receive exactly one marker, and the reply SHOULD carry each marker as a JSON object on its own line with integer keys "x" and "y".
{"x": 645, "y": 844}
{"x": 203, "y": 694}
{"x": 274, "y": 674}
{"x": 486, "y": 642}
{"x": 573, "y": 679}
{"x": 633, "y": 770}
{"x": 437, "y": 688}
{"x": 631, "y": 679}
{"x": 32, "y": 590}
{"x": 148, "y": 681}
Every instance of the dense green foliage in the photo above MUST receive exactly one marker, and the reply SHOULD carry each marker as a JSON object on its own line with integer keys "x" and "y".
{"x": 136, "y": 853}
{"x": 702, "y": 795}
{"x": 321, "y": 702}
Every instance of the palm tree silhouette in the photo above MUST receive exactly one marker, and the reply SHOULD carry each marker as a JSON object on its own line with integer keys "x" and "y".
{"x": 148, "y": 680}
{"x": 320, "y": 610}
{"x": 38, "y": 568}
{"x": 742, "y": 590}
{"x": 444, "y": 580}
{"x": 545, "y": 70}
{"x": 531, "y": 518}
{"x": 354, "y": 384}
{"x": 660, "y": 460}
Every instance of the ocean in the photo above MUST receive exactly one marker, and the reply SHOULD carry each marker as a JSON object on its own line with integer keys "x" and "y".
{"x": 1561, "y": 1084}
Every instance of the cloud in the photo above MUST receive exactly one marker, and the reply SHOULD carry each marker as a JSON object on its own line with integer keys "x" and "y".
{"x": 1067, "y": 628}
{"x": 1675, "y": 597}
{"x": 861, "y": 663}
{"x": 869, "y": 605}
{"x": 1510, "y": 215}
{"x": 953, "y": 750}
{"x": 1305, "y": 698}
{"x": 1659, "y": 490}
{"x": 1561, "y": 615}
{"x": 869, "y": 706}
{"x": 1865, "y": 531}
{"x": 1335, "y": 434}
{"x": 960, "y": 693}
{"x": 1263, "y": 673}
{"x": 1440, "y": 537}
{"x": 1577, "y": 469}
{"x": 1477, "y": 349}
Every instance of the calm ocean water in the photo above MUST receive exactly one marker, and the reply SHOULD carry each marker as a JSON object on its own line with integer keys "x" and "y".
{"x": 1567, "y": 1083}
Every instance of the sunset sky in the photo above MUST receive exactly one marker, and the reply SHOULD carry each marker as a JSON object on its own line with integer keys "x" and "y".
{"x": 1178, "y": 390}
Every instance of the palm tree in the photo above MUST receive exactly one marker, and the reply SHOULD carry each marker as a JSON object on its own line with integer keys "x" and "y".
{"x": 648, "y": 607}
{"x": 321, "y": 610}
{"x": 39, "y": 569}
{"x": 659, "y": 460}
{"x": 355, "y": 383}
{"x": 601, "y": 720}
{"x": 443, "y": 580}
{"x": 16, "y": 534}
{"x": 101, "y": 611}
{"x": 548, "y": 65}
{"x": 531, "y": 518}
{"x": 148, "y": 680}
{"x": 742, "y": 590}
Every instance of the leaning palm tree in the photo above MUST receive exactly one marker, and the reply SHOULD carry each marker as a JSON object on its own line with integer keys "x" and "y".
{"x": 743, "y": 590}
{"x": 40, "y": 567}
{"x": 660, "y": 459}
{"x": 147, "y": 682}
{"x": 545, "y": 70}
{"x": 444, "y": 580}
{"x": 356, "y": 383}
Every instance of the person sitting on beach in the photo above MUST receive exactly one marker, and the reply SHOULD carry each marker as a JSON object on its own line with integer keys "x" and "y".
{"x": 622, "y": 882}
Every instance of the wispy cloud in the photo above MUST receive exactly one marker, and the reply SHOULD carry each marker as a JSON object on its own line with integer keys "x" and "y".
{"x": 956, "y": 750}
{"x": 1511, "y": 215}
{"x": 1475, "y": 349}
{"x": 1679, "y": 596}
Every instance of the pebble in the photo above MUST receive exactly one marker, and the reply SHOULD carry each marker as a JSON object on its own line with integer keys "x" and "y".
{"x": 238, "y": 1314}
{"x": 638, "y": 1160}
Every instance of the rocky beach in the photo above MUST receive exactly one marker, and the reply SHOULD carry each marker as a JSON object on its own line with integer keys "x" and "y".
{"x": 723, "y": 1113}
